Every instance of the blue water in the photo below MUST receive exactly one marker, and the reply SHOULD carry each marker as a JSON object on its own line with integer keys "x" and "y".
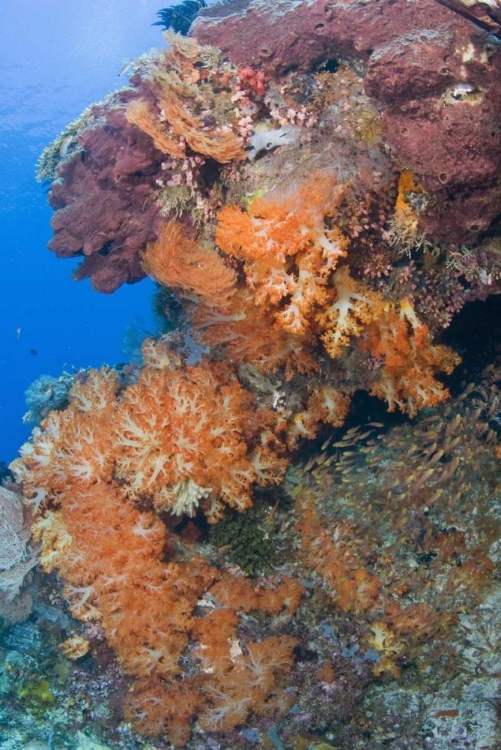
{"x": 56, "y": 57}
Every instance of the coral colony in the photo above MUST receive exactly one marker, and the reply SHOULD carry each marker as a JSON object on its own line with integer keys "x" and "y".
{"x": 314, "y": 201}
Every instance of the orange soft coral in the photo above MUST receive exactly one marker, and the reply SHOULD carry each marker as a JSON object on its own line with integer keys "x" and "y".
{"x": 289, "y": 252}
{"x": 185, "y": 438}
{"x": 71, "y": 445}
{"x": 178, "y": 261}
{"x": 408, "y": 359}
{"x": 326, "y": 405}
{"x": 157, "y": 708}
{"x": 111, "y": 561}
{"x": 248, "y": 334}
{"x": 287, "y": 248}
{"x": 116, "y": 559}
{"x": 240, "y": 593}
{"x": 177, "y": 437}
{"x": 411, "y": 360}
{"x": 253, "y": 679}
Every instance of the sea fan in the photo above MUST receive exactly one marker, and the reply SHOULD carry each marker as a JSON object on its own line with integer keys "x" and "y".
{"x": 180, "y": 17}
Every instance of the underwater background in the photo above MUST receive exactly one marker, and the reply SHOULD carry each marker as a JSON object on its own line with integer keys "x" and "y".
{"x": 55, "y": 58}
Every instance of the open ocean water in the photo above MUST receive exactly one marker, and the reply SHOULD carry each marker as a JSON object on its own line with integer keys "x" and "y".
{"x": 56, "y": 57}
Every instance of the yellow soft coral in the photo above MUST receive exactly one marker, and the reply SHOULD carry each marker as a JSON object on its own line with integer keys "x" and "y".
{"x": 405, "y": 230}
{"x": 347, "y": 313}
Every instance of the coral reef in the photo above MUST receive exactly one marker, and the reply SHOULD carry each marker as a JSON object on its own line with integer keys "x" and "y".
{"x": 315, "y": 210}
{"x": 114, "y": 181}
{"x": 161, "y": 443}
{"x": 438, "y": 117}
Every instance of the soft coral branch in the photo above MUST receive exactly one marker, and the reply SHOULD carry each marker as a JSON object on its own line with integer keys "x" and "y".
{"x": 176, "y": 260}
{"x": 287, "y": 248}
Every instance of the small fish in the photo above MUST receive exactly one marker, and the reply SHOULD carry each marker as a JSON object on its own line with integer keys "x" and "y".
{"x": 126, "y": 66}
{"x": 33, "y": 351}
{"x": 310, "y": 464}
{"x": 325, "y": 444}
{"x": 65, "y": 144}
{"x": 348, "y": 470}
{"x": 352, "y": 431}
{"x": 364, "y": 434}
{"x": 319, "y": 460}
{"x": 17, "y": 333}
{"x": 436, "y": 457}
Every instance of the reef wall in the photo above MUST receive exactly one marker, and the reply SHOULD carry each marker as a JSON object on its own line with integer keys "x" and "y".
{"x": 316, "y": 208}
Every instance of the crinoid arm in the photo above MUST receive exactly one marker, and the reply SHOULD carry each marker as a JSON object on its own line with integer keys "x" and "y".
{"x": 180, "y": 17}
{"x": 486, "y": 14}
